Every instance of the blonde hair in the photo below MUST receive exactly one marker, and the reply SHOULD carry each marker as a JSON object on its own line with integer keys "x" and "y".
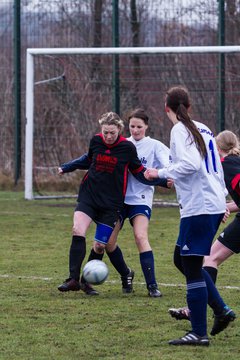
{"x": 228, "y": 142}
{"x": 111, "y": 118}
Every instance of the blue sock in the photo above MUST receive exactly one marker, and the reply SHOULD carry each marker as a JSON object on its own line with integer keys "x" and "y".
{"x": 214, "y": 299}
{"x": 147, "y": 264}
{"x": 197, "y": 298}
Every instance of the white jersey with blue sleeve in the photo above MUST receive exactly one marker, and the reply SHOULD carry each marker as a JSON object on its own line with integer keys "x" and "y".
{"x": 199, "y": 182}
{"x": 152, "y": 153}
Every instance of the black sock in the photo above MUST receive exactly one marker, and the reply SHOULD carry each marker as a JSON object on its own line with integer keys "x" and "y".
{"x": 212, "y": 271}
{"x": 76, "y": 256}
{"x": 116, "y": 258}
{"x": 95, "y": 256}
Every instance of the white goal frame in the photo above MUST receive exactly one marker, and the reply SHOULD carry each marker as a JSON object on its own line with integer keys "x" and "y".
{"x": 89, "y": 51}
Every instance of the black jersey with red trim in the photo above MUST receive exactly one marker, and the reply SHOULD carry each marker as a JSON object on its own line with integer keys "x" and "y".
{"x": 231, "y": 168}
{"x": 105, "y": 183}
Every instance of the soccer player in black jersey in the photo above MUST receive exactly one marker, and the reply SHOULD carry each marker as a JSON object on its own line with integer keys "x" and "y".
{"x": 101, "y": 193}
{"x": 137, "y": 207}
{"x": 228, "y": 241}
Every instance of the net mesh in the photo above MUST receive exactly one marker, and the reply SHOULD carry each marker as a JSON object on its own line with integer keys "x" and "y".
{"x": 72, "y": 91}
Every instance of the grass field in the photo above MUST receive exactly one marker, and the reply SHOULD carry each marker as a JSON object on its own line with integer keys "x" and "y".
{"x": 38, "y": 322}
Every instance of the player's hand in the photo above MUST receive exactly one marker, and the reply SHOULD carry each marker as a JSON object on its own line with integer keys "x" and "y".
{"x": 226, "y": 215}
{"x": 232, "y": 206}
{"x": 170, "y": 183}
{"x": 151, "y": 174}
{"x": 60, "y": 171}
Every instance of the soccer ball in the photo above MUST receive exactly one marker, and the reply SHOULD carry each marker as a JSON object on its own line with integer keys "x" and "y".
{"x": 95, "y": 272}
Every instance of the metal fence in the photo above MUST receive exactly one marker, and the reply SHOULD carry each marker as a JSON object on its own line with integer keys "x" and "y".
{"x": 103, "y": 23}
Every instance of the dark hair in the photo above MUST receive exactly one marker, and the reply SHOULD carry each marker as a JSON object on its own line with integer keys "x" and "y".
{"x": 138, "y": 113}
{"x": 177, "y": 99}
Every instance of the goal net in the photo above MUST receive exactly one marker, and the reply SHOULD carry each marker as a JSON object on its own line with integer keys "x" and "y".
{"x": 68, "y": 89}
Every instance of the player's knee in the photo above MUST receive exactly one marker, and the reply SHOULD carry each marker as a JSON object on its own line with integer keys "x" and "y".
{"x": 75, "y": 230}
{"x": 110, "y": 247}
{"x": 212, "y": 261}
{"x": 177, "y": 259}
{"x": 143, "y": 244}
{"x": 99, "y": 247}
{"x": 78, "y": 230}
{"x": 140, "y": 239}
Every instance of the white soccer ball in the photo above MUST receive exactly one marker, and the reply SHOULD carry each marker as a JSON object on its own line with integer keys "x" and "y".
{"x": 95, "y": 272}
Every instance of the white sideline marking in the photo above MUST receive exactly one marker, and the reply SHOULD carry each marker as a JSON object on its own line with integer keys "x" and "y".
{"x": 8, "y": 276}
{"x": 27, "y": 213}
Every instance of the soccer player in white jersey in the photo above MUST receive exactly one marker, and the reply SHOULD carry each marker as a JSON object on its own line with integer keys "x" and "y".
{"x": 196, "y": 170}
{"x": 228, "y": 242}
{"x": 139, "y": 197}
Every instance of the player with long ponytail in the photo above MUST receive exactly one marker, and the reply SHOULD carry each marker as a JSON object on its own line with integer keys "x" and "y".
{"x": 178, "y": 100}
{"x": 228, "y": 241}
{"x": 198, "y": 177}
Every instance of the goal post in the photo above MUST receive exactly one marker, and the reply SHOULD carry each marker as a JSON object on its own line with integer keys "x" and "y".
{"x": 31, "y": 54}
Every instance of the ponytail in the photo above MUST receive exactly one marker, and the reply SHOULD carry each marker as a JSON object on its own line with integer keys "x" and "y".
{"x": 178, "y": 101}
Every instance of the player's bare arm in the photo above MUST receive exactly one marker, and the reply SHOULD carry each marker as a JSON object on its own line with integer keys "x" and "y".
{"x": 232, "y": 207}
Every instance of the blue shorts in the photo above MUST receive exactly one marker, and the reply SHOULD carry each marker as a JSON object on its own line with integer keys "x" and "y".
{"x": 197, "y": 233}
{"x": 130, "y": 211}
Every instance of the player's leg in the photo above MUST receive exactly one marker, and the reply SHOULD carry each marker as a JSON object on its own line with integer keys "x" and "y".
{"x": 200, "y": 290}
{"x": 97, "y": 252}
{"x": 106, "y": 238}
{"x": 223, "y": 315}
{"x": 77, "y": 252}
{"x": 103, "y": 233}
{"x": 219, "y": 253}
{"x": 182, "y": 313}
{"x": 105, "y": 223}
{"x": 193, "y": 239}
{"x": 227, "y": 244}
{"x": 116, "y": 257}
{"x": 196, "y": 293}
{"x": 197, "y": 302}
{"x": 140, "y": 225}
{"x": 84, "y": 285}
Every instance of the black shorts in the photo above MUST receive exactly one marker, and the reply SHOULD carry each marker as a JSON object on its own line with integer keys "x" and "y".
{"x": 99, "y": 216}
{"x": 230, "y": 237}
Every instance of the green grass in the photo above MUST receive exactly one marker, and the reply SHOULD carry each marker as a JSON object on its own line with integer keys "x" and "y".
{"x": 38, "y": 322}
